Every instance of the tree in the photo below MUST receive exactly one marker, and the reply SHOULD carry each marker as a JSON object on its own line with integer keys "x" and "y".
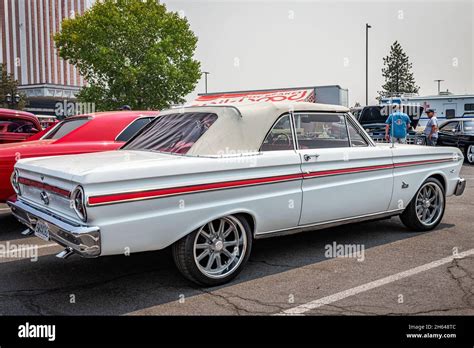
{"x": 8, "y": 85}
{"x": 397, "y": 73}
{"x": 131, "y": 52}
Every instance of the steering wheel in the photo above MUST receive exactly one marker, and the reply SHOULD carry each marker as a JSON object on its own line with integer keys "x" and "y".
{"x": 274, "y": 138}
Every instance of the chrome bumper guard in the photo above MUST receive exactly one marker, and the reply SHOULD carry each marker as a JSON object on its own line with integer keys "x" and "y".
{"x": 460, "y": 187}
{"x": 83, "y": 240}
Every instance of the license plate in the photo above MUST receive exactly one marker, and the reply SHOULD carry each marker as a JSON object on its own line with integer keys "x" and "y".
{"x": 42, "y": 230}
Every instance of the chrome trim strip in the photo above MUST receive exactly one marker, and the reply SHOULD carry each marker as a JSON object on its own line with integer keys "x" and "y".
{"x": 327, "y": 224}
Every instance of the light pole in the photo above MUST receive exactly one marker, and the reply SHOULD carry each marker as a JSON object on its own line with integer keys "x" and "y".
{"x": 12, "y": 100}
{"x": 205, "y": 77}
{"x": 439, "y": 85}
{"x": 367, "y": 27}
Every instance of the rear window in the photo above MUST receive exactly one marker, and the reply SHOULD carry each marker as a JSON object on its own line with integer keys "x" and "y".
{"x": 66, "y": 127}
{"x": 173, "y": 133}
{"x": 133, "y": 128}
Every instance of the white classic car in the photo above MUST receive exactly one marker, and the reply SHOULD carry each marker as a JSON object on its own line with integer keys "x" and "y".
{"x": 210, "y": 180}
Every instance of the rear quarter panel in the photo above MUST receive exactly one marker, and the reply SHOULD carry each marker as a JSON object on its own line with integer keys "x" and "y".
{"x": 153, "y": 224}
{"x": 414, "y": 164}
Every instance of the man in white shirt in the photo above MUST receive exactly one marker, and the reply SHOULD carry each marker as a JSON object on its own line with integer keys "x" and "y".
{"x": 431, "y": 129}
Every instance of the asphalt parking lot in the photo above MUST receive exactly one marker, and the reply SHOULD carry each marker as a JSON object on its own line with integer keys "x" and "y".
{"x": 401, "y": 273}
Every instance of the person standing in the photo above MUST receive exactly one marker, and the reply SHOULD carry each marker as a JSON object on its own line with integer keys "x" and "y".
{"x": 431, "y": 129}
{"x": 397, "y": 124}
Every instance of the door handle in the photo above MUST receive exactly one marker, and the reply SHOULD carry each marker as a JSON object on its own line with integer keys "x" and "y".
{"x": 308, "y": 157}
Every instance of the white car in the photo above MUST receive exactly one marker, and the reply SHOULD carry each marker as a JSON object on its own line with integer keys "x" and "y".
{"x": 210, "y": 180}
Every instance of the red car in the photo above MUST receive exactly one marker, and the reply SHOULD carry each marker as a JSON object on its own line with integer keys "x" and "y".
{"x": 17, "y": 125}
{"x": 78, "y": 134}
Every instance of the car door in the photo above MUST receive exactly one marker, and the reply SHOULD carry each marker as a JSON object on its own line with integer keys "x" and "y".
{"x": 344, "y": 174}
{"x": 449, "y": 133}
{"x": 279, "y": 161}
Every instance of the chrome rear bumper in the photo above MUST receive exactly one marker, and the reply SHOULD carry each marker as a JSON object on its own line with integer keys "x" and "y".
{"x": 83, "y": 240}
{"x": 460, "y": 187}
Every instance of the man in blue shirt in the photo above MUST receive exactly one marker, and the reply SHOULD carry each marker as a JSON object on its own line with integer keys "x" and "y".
{"x": 397, "y": 124}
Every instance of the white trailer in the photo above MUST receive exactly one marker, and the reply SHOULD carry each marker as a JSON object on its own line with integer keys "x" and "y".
{"x": 446, "y": 106}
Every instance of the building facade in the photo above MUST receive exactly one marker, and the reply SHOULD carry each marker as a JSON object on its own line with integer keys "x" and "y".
{"x": 27, "y": 48}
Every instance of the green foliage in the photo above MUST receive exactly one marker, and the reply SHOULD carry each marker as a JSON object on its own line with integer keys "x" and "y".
{"x": 131, "y": 52}
{"x": 8, "y": 85}
{"x": 397, "y": 73}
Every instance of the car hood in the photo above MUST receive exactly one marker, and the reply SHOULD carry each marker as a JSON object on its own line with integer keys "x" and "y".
{"x": 377, "y": 115}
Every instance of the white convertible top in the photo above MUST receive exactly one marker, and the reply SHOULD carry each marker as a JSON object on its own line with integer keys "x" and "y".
{"x": 241, "y": 128}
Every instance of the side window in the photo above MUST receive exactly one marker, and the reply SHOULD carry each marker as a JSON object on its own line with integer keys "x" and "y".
{"x": 355, "y": 135}
{"x": 319, "y": 131}
{"x": 280, "y": 136}
{"x": 450, "y": 127}
{"x": 133, "y": 128}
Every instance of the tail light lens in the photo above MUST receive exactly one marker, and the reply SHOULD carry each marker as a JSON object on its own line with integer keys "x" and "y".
{"x": 15, "y": 183}
{"x": 78, "y": 200}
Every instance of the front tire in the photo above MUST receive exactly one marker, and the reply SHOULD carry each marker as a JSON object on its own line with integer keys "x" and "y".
{"x": 469, "y": 154}
{"x": 426, "y": 209}
{"x": 215, "y": 253}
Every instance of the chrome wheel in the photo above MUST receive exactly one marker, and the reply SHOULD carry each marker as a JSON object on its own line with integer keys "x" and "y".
{"x": 429, "y": 204}
{"x": 219, "y": 247}
{"x": 470, "y": 154}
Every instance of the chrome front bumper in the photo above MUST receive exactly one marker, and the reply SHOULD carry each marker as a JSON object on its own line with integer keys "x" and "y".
{"x": 83, "y": 240}
{"x": 460, "y": 187}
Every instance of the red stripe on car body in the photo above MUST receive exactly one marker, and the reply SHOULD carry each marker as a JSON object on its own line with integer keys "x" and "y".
{"x": 139, "y": 195}
{"x": 151, "y": 194}
{"x": 43, "y": 186}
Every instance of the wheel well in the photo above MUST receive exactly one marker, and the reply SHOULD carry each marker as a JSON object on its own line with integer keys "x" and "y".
{"x": 441, "y": 180}
{"x": 250, "y": 220}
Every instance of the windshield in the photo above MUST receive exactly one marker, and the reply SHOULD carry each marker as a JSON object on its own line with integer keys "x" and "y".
{"x": 173, "y": 133}
{"x": 66, "y": 127}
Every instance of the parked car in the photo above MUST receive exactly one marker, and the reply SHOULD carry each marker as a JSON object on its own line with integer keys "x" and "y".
{"x": 210, "y": 180}
{"x": 16, "y": 126}
{"x": 356, "y": 110}
{"x": 78, "y": 134}
{"x": 47, "y": 121}
{"x": 458, "y": 132}
{"x": 373, "y": 118}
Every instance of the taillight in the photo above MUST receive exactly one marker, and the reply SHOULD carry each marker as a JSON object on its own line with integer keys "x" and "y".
{"x": 78, "y": 201}
{"x": 15, "y": 183}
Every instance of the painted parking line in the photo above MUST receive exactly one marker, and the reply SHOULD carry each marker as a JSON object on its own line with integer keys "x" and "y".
{"x": 301, "y": 309}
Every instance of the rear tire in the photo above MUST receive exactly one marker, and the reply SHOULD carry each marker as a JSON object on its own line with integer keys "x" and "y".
{"x": 426, "y": 209}
{"x": 215, "y": 253}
